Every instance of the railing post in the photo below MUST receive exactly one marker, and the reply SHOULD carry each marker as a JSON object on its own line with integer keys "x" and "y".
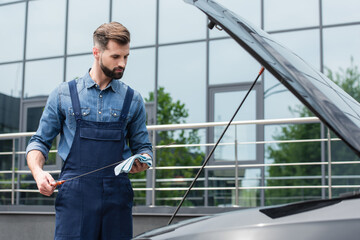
{"x": 153, "y": 182}
{"x": 329, "y": 163}
{"x": 13, "y": 173}
{"x": 323, "y": 155}
{"x": 236, "y": 171}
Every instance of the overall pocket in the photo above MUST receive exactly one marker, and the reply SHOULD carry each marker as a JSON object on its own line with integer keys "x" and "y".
{"x": 100, "y": 146}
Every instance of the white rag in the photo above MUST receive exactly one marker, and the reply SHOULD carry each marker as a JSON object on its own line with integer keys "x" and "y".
{"x": 126, "y": 165}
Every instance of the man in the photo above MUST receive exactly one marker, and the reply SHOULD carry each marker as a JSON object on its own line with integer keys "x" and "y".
{"x": 101, "y": 121}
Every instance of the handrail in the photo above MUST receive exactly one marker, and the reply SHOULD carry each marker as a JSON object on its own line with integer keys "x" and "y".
{"x": 195, "y": 125}
{"x": 154, "y": 128}
{"x": 216, "y": 166}
{"x": 211, "y": 144}
{"x": 247, "y": 122}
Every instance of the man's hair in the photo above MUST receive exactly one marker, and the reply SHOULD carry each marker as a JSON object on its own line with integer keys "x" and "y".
{"x": 111, "y": 31}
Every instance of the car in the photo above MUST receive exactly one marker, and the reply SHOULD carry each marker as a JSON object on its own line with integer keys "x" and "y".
{"x": 330, "y": 219}
{"x": 336, "y": 218}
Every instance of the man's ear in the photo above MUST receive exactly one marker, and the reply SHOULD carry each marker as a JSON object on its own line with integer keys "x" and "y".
{"x": 96, "y": 52}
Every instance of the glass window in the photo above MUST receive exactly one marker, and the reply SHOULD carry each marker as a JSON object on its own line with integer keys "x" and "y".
{"x": 78, "y": 66}
{"x": 182, "y": 74}
{"x": 180, "y": 22}
{"x": 284, "y": 14}
{"x": 10, "y": 92}
{"x": 41, "y": 77}
{"x": 223, "y": 111}
{"x": 33, "y": 118}
{"x": 128, "y": 12}
{"x": 275, "y": 105}
{"x": 335, "y": 11}
{"x": 340, "y": 44}
{"x": 305, "y": 44}
{"x": 250, "y": 197}
{"x": 250, "y": 10}
{"x": 83, "y": 21}
{"x": 46, "y": 28}
{"x": 10, "y": 78}
{"x": 229, "y": 63}
{"x": 12, "y": 22}
{"x": 7, "y": 1}
{"x": 140, "y": 71}
{"x": 226, "y": 178}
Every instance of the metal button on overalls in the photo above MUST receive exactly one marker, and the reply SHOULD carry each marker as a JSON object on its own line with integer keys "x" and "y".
{"x": 98, "y": 205}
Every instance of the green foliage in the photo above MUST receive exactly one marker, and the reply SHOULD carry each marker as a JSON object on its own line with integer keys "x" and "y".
{"x": 168, "y": 112}
{"x": 174, "y": 112}
{"x": 349, "y": 80}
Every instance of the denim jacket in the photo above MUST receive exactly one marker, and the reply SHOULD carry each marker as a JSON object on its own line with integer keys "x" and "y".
{"x": 96, "y": 105}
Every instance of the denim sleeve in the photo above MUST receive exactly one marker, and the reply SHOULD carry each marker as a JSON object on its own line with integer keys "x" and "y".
{"x": 137, "y": 133}
{"x": 49, "y": 127}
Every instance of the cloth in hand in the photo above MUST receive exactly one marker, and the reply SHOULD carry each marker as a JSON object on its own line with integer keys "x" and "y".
{"x": 126, "y": 165}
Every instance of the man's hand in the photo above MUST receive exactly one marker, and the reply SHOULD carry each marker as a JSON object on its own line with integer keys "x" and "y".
{"x": 139, "y": 166}
{"x": 45, "y": 182}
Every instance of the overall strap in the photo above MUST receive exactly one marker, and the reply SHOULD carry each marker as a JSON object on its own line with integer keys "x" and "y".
{"x": 75, "y": 99}
{"x": 127, "y": 102}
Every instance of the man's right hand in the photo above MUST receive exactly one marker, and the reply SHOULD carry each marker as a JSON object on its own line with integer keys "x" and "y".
{"x": 45, "y": 182}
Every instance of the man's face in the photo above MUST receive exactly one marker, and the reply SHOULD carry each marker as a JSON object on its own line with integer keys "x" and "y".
{"x": 113, "y": 59}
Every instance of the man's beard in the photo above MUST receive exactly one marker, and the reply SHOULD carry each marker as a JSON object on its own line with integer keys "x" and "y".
{"x": 113, "y": 74}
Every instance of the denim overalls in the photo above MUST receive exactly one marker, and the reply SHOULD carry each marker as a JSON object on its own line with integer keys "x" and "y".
{"x": 98, "y": 205}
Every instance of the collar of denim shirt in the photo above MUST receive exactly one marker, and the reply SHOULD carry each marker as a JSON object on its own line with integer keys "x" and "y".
{"x": 89, "y": 82}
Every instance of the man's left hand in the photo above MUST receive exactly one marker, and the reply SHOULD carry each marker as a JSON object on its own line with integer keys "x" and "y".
{"x": 139, "y": 166}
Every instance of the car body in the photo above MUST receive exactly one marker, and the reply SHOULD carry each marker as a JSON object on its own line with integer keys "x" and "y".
{"x": 334, "y": 219}
{"x": 330, "y": 219}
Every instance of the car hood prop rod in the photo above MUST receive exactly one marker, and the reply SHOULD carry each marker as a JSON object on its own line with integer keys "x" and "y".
{"x": 213, "y": 149}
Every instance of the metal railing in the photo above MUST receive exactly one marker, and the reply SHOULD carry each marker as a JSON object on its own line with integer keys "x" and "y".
{"x": 238, "y": 165}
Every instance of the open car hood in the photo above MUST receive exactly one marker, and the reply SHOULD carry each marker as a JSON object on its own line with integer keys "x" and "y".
{"x": 337, "y": 109}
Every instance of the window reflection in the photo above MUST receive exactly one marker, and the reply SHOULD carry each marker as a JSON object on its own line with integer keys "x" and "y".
{"x": 33, "y": 118}
{"x": 10, "y": 92}
{"x": 78, "y": 66}
{"x": 305, "y": 44}
{"x": 278, "y": 101}
{"x": 142, "y": 28}
{"x": 332, "y": 8}
{"x": 140, "y": 71}
{"x": 45, "y": 37}
{"x": 83, "y": 20}
{"x": 250, "y": 10}
{"x": 223, "y": 111}
{"x": 7, "y": 1}
{"x": 10, "y": 78}
{"x": 284, "y": 14}
{"x": 226, "y": 178}
{"x": 338, "y": 50}
{"x": 229, "y": 63}
{"x": 41, "y": 77}
{"x": 12, "y": 22}
{"x": 180, "y": 22}
{"x": 182, "y": 74}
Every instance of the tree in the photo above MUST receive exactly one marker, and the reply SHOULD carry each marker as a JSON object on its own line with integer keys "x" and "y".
{"x": 174, "y": 112}
{"x": 349, "y": 80}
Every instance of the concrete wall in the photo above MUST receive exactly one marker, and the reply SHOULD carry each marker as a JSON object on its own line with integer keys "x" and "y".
{"x": 26, "y": 226}
{"x": 40, "y": 224}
